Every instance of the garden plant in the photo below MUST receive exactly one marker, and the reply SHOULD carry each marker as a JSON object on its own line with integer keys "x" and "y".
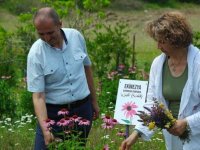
{"x": 117, "y": 46}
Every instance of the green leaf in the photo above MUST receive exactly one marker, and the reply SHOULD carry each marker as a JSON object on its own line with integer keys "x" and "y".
{"x": 126, "y": 121}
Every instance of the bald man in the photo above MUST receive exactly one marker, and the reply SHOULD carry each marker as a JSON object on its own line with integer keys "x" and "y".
{"x": 59, "y": 75}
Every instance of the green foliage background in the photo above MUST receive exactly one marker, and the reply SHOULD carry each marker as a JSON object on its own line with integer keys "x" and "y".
{"x": 109, "y": 45}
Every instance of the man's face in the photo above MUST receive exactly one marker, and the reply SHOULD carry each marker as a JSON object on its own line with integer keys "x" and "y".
{"x": 48, "y": 31}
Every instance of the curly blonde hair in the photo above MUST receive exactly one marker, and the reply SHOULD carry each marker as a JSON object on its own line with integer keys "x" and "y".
{"x": 171, "y": 27}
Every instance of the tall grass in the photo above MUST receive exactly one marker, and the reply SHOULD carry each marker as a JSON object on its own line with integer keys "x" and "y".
{"x": 19, "y": 135}
{"x": 114, "y": 141}
{"x": 8, "y": 20}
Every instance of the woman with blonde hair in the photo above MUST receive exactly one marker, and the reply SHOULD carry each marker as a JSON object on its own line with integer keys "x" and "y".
{"x": 174, "y": 81}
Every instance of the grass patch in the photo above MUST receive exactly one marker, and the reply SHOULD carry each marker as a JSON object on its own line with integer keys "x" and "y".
{"x": 7, "y": 20}
{"x": 19, "y": 135}
{"x": 162, "y": 4}
{"x": 114, "y": 141}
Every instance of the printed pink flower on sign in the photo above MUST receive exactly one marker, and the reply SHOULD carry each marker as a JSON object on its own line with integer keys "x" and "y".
{"x": 129, "y": 109}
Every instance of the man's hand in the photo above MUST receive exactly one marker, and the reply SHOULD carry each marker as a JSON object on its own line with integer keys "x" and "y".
{"x": 96, "y": 110}
{"x": 41, "y": 113}
{"x": 48, "y": 137}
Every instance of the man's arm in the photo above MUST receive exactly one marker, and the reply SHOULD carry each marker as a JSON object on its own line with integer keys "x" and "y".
{"x": 41, "y": 113}
{"x": 90, "y": 81}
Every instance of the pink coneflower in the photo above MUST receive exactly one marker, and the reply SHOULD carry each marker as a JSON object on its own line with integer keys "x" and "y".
{"x": 114, "y": 121}
{"x": 64, "y": 121}
{"x": 121, "y": 133}
{"x": 129, "y": 109}
{"x": 69, "y": 121}
{"x": 75, "y": 118}
{"x": 63, "y": 111}
{"x": 107, "y": 119}
{"x": 112, "y": 74}
{"x": 106, "y": 147}
{"x": 107, "y": 125}
{"x": 132, "y": 69}
{"x": 145, "y": 75}
{"x": 84, "y": 122}
{"x": 121, "y": 67}
{"x": 48, "y": 123}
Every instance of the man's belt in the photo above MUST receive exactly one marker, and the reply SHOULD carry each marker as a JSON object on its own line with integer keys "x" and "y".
{"x": 78, "y": 103}
{"x": 74, "y": 104}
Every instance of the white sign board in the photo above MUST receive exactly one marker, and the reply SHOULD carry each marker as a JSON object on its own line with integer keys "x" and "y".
{"x": 130, "y": 98}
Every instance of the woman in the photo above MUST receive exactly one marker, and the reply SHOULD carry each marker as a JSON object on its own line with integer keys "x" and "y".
{"x": 174, "y": 81}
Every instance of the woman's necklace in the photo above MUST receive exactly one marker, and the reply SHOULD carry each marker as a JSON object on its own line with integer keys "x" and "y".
{"x": 174, "y": 66}
{"x": 177, "y": 65}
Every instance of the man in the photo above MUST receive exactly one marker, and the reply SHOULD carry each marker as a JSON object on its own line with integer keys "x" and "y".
{"x": 59, "y": 74}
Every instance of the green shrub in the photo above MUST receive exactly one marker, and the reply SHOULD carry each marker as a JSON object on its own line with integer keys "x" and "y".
{"x": 157, "y": 1}
{"x": 8, "y": 57}
{"x": 196, "y": 39}
{"x": 20, "y": 6}
{"x": 8, "y": 104}
{"x": 110, "y": 48}
{"x": 190, "y": 1}
{"x": 26, "y": 103}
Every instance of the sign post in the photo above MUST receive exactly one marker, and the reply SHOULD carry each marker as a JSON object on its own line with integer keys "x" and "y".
{"x": 127, "y": 131}
{"x": 131, "y": 97}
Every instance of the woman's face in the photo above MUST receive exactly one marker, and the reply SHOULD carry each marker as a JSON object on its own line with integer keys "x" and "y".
{"x": 165, "y": 47}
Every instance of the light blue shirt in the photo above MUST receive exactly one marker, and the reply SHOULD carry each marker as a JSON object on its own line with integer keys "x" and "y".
{"x": 59, "y": 73}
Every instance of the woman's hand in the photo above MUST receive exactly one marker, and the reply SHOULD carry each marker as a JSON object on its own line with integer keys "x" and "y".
{"x": 127, "y": 143}
{"x": 179, "y": 127}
